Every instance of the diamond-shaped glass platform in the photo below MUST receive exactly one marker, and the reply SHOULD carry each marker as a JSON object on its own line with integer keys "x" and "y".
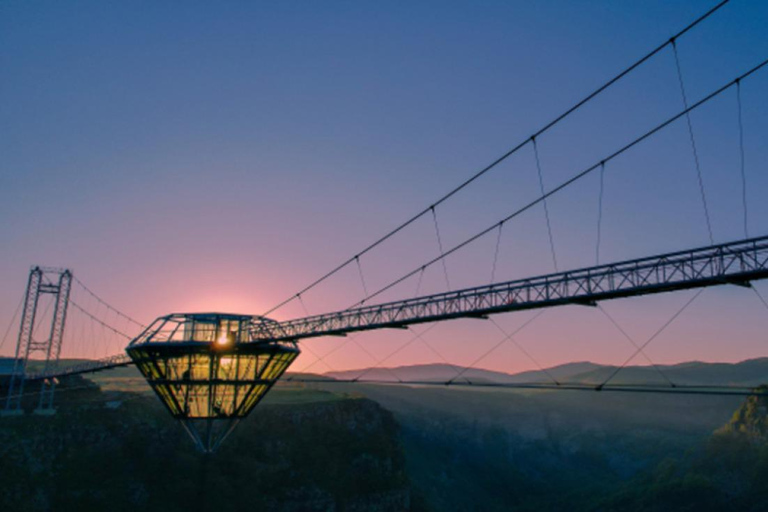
{"x": 208, "y": 371}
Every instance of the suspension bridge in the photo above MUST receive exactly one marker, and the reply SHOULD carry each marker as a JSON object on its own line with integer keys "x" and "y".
{"x": 212, "y": 369}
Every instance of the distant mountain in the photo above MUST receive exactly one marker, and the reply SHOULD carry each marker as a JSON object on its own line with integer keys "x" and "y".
{"x": 422, "y": 373}
{"x": 560, "y": 373}
{"x": 446, "y": 372}
{"x": 752, "y": 372}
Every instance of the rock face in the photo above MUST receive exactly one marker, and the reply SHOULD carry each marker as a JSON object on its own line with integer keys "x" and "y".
{"x": 333, "y": 456}
{"x": 751, "y": 419}
{"x": 728, "y": 472}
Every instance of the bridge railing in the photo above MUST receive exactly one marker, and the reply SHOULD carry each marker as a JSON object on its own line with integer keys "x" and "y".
{"x": 735, "y": 262}
{"x": 87, "y": 367}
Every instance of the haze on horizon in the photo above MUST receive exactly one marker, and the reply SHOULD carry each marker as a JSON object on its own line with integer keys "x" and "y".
{"x": 214, "y": 157}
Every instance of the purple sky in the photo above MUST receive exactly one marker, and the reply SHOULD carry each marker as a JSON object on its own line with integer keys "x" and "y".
{"x": 204, "y": 157}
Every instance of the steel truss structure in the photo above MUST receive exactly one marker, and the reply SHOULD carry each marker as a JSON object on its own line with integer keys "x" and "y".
{"x": 106, "y": 363}
{"x": 732, "y": 263}
{"x": 208, "y": 371}
{"x": 42, "y": 281}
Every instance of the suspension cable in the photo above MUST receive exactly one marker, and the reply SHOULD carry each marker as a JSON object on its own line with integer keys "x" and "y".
{"x": 544, "y": 203}
{"x": 362, "y": 278}
{"x": 693, "y": 145}
{"x": 440, "y": 248}
{"x": 760, "y": 296}
{"x": 716, "y": 390}
{"x": 321, "y": 359}
{"x": 742, "y": 161}
{"x": 600, "y": 213}
{"x": 402, "y": 347}
{"x": 496, "y": 254}
{"x": 98, "y": 321}
{"x": 318, "y": 358}
{"x": 13, "y": 321}
{"x": 421, "y": 278}
{"x": 102, "y": 301}
{"x": 303, "y": 305}
{"x": 326, "y": 355}
{"x": 433, "y": 349}
{"x": 653, "y": 337}
{"x": 500, "y": 343}
{"x": 503, "y": 157}
{"x": 634, "y": 344}
{"x": 527, "y": 354}
{"x": 571, "y": 180}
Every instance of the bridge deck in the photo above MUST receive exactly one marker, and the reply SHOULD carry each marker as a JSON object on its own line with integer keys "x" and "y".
{"x": 108, "y": 363}
{"x": 732, "y": 263}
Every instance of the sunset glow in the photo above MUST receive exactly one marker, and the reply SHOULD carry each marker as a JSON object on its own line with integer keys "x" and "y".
{"x": 313, "y": 170}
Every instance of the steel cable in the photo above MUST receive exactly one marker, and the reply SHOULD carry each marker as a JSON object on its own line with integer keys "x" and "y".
{"x": 693, "y": 145}
{"x": 503, "y": 157}
{"x": 570, "y": 181}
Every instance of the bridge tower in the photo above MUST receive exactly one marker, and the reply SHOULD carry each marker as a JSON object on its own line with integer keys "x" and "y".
{"x": 33, "y": 338}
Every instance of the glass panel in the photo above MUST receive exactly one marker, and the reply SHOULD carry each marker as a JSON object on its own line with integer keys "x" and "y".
{"x": 223, "y": 400}
{"x": 199, "y": 403}
{"x": 147, "y": 369}
{"x": 200, "y": 368}
{"x": 227, "y": 367}
{"x": 168, "y": 399}
{"x": 264, "y": 362}
{"x": 204, "y": 331}
{"x": 160, "y": 367}
{"x": 229, "y": 331}
{"x": 206, "y": 384}
{"x": 246, "y": 366}
{"x": 253, "y": 398}
{"x": 277, "y": 366}
{"x": 240, "y": 393}
{"x": 176, "y": 368}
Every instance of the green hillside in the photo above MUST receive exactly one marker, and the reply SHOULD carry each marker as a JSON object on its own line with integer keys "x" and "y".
{"x": 727, "y": 472}
{"x": 306, "y": 451}
{"x": 342, "y": 447}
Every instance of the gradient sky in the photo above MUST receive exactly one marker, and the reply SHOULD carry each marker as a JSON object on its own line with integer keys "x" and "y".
{"x": 204, "y": 156}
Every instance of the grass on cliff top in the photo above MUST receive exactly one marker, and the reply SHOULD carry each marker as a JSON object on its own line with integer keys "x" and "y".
{"x": 282, "y": 393}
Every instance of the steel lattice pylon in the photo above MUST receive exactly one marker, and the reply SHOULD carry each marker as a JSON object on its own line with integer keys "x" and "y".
{"x": 42, "y": 281}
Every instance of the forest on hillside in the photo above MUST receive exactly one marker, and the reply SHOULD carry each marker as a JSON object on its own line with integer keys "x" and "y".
{"x": 389, "y": 448}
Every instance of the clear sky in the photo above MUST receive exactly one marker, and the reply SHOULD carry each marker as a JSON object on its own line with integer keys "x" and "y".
{"x": 198, "y": 156}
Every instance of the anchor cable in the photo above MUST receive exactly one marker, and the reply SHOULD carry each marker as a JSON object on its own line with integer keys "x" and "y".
{"x": 500, "y": 343}
{"x": 653, "y": 337}
{"x": 634, "y": 344}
